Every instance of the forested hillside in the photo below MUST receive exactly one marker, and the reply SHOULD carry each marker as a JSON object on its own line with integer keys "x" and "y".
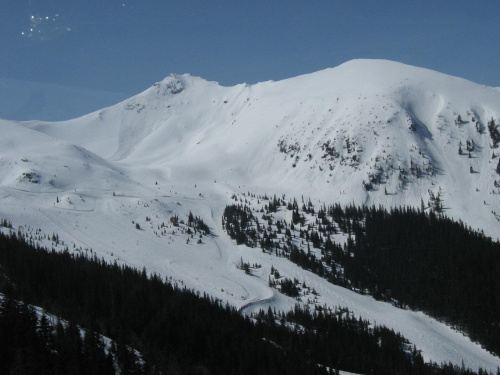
{"x": 407, "y": 256}
{"x": 176, "y": 330}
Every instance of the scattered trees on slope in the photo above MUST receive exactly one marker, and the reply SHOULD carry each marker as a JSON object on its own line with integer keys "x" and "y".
{"x": 413, "y": 258}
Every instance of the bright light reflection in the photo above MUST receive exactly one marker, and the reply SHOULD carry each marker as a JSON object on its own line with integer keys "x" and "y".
{"x": 46, "y": 27}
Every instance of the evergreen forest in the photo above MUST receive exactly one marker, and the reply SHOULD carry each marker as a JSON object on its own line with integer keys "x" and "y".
{"x": 413, "y": 258}
{"x": 156, "y": 327}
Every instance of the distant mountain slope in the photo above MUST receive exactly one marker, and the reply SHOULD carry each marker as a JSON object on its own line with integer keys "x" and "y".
{"x": 384, "y": 132}
{"x": 121, "y": 182}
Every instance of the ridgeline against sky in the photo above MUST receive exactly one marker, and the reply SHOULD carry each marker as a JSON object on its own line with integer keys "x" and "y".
{"x": 123, "y": 46}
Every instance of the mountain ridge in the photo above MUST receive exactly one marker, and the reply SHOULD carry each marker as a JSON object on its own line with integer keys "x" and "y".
{"x": 368, "y": 132}
{"x": 251, "y": 115}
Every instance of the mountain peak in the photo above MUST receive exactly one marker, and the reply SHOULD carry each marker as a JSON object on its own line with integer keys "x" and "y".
{"x": 172, "y": 84}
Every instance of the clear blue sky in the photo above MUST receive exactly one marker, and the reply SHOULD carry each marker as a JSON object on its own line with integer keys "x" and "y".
{"x": 127, "y": 45}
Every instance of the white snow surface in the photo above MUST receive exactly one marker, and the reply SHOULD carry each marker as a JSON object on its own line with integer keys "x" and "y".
{"x": 186, "y": 144}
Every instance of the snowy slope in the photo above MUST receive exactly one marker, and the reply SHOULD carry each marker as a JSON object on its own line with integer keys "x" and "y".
{"x": 368, "y": 131}
{"x": 371, "y": 120}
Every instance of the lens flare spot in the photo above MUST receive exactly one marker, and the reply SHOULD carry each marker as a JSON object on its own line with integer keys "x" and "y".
{"x": 46, "y": 27}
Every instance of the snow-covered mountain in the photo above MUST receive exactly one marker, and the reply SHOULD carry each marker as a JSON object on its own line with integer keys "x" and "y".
{"x": 368, "y": 132}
